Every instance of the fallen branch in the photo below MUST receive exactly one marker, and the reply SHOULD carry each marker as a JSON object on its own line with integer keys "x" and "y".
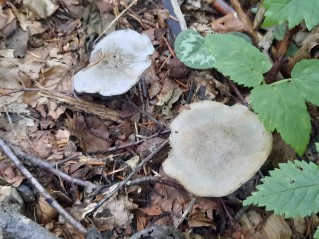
{"x": 48, "y": 198}
{"x": 48, "y": 167}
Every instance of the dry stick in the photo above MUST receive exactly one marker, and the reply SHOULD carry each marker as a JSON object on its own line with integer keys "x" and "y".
{"x": 144, "y": 113}
{"x": 124, "y": 146}
{"x": 108, "y": 27}
{"x": 222, "y": 7}
{"x": 240, "y": 96}
{"x": 19, "y": 90}
{"x": 63, "y": 161}
{"x": 188, "y": 209}
{"x": 48, "y": 167}
{"x": 118, "y": 186}
{"x": 155, "y": 179}
{"x": 48, "y": 198}
{"x": 227, "y": 212}
{"x": 244, "y": 19}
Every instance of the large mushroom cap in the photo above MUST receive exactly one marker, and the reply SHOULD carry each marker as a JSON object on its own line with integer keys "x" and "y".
{"x": 216, "y": 148}
{"x": 116, "y": 63}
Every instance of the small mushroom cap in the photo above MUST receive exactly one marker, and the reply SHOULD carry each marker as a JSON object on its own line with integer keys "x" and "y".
{"x": 117, "y": 62}
{"x": 216, "y": 148}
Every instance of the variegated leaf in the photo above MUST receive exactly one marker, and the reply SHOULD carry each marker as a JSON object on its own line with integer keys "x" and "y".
{"x": 190, "y": 48}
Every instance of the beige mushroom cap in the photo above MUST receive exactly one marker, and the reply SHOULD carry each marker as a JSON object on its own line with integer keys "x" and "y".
{"x": 216, "y": 148}
{"x": 117, "y": 62}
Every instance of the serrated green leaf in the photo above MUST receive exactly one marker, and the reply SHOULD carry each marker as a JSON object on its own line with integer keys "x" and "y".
{"x": 281, "y": 107}
{"x": 316, "y": 235}
{"x": 305, "y": 77}
{"x": 292, "y": 190}
{"x": 293, "y": 11}
{"x": 238, "y": 59}
{"x": 190, "y": 48}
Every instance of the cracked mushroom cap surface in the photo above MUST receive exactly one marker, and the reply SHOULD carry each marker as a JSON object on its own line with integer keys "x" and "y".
{"x": 116, "y": 63}
{"x": 216, "y": 148}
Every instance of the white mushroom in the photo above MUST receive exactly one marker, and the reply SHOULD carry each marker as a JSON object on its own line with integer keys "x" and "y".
{"x": 116, "y": 63}
{"x": 216, "y": 148}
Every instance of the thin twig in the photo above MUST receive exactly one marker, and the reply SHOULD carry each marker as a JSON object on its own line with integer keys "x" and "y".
{"x": 187, "y": 210}
{"x": 48, "y": 167}
{"x": 19, "y": 90}
{"x": 129, "y": 102}
{"x": 240, "y": 96}
{"x": 124, "y": 146}
{"x": 63, "y": 161}
{"x": 108, "y": 27}
{"x": 227, "y": 212}
{"x": 155, "y": 179}
{"x": 244, "y": 19}
{"x": 48, "y": 198}
{"x": 222, "y": 7}
{"x": 118, "y": 186}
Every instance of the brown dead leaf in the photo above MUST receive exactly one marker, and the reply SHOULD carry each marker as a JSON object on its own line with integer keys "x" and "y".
{"x": 127, "y": 110}
{"x": 88, "y": 141}
{"x": 162, "y": 16}
{"x": 16, "y": 132}
{"x": 251, "y": 222}
{"x": 202, "y": 213}
{"x": 277, "y": 228}
{"x": 12, "y": 176}
{"x": 152, "y": 211}
{"x": 20, "y": 16}
{"x": 106, "y": 8}
{"x": 228, "y": 23}
{"x": 149, "y": 146}
{"x": 6, "y": 17}
{"x": 169, "y": 199}
{"x": 41, "y": 8}
{"x": 281, "y": 152}
{"x": 304, "y": 51}
{"x": 42, "y": 143}
{"x": 35, "y": 27}
{"x": 154, "y": 89}
{"x": 177, "y": 69}
{"x": 56, "y": 78}
{"x": 44, "y": 212}
{"x": 198, "y": 219}
{"x": 114, "y": 213}
{"x": 152, "y": 80}
{"x": 169, "y": 94}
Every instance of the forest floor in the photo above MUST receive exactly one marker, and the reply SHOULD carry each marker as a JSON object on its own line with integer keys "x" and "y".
{"x": 102, "y": 140}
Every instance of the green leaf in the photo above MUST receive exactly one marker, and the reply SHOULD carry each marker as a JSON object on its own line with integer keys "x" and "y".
{"x": 190, "y": 48}
{"x": 238, "y": 59}
{"x": 306, "y": 79}
{"x": 293, "y": 11}
{"x": 292, "y": 190}
{"x": 281, "y": 107}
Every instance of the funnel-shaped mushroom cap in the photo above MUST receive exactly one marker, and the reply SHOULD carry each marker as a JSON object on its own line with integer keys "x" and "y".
{"x": 216, "y": 148}
{"x": 116, "y": 64}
